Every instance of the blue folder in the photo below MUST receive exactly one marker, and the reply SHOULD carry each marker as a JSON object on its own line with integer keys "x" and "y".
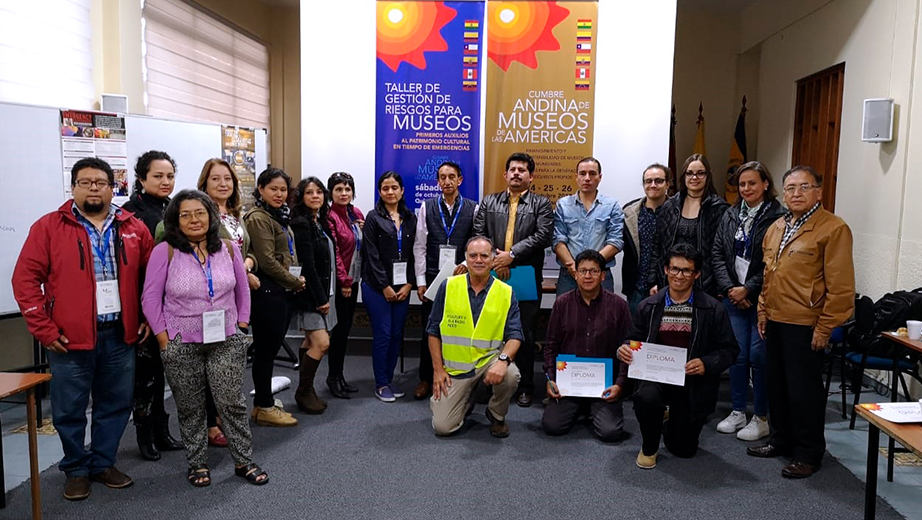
{"x": 522, "y": 280}
{"x": 608, "y": 362}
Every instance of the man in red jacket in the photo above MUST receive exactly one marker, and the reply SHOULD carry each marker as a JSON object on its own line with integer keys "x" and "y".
{"x": 77, "y": 283}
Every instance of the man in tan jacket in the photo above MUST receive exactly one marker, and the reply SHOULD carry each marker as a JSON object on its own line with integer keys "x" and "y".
{"x": 809, "y": 290}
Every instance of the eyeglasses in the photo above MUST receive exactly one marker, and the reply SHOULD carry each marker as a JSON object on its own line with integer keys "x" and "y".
{"x": 696, "y": 174}
{"x": 86, "y": 183}
{"x": 199, "y": 214}
{"x": 676, "y": 271}
{"x": 594, "y": 271}
{"x": 647, "y": 182}
{"x": 799, "y": 188}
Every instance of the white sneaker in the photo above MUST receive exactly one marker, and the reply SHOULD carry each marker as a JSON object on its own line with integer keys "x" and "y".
{"x": 755, "y": 430}
{"x": 733, "y": 422}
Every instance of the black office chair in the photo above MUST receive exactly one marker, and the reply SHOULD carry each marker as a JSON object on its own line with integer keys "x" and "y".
{"x": 836, "y": 351}
{"x": 867, "y": 350}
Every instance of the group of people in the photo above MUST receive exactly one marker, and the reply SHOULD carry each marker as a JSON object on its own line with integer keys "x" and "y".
{"x": 177, "y": 283}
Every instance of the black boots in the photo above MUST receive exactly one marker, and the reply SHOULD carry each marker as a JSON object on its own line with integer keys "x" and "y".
{"x": 305, "y": 395}
{"x": 145, "y": 431}
{"x": 162, "y": 438}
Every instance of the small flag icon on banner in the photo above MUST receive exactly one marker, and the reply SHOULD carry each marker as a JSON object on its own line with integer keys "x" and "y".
{"x": 582, "y": 73}
{"x": 469, "y": 85}
{"x": 470, "y": 73}
{"x": 470, "y": 61}
{"x": 471, "y": 48}
{"x": 583, "y": 36}
{"x": 582, "y": 61}
{"x": 582, "y": 84}
{"x": 583, "y": 24}
{"x": 583, "y": 48}
{"x": 471, "y": 24}
{"x": 471, "y": 35}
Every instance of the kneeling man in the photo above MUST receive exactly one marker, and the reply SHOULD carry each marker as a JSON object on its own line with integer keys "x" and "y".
{"x": 683, "y": 317}
{"x": 589, "y": 322}
{"x": 474, "y": 333}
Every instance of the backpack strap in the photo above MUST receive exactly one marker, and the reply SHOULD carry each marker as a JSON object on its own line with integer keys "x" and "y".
{"x": 230, "y": 248}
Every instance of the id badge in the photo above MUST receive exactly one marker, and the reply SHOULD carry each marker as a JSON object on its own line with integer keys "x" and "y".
{"x": 213, "y": 327}
{"x": 446, "y": 254}
{"x": 295, "y": 270}
{"x": 107, "y": 299}
{"x": 400, "y": 273}
{"x": 742, "y": 268}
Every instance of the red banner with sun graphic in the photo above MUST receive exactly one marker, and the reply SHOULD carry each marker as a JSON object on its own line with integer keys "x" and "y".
{"x": 428, "y": 93}
{"x": 540, "y": 90}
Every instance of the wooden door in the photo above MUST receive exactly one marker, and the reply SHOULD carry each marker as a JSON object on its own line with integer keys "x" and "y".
{"x": 817, "y": 124}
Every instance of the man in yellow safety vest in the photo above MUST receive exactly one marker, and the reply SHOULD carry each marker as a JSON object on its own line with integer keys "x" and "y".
{"x": 474, "y": 333}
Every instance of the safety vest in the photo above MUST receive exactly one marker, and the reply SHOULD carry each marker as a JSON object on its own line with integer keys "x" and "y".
{"x": 466, "y": 345}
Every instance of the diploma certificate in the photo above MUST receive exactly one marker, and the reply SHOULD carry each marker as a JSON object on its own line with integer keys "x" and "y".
{"x": 583, "y": 377}
{"x": 658, "y": 363}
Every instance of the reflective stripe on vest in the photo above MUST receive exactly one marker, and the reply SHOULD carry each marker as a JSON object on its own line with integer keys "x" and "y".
{"x": 467, "y": 346}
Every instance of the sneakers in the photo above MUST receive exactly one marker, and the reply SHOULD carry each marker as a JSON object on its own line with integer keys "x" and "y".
{"x": 755, "y": 430}
{"x": 646, "y": 461}
{"x": 396, "y": 390}
{"x": 385, "y": 394}
{"x": 274, "y": 416}
{"x": 735, "y": 421}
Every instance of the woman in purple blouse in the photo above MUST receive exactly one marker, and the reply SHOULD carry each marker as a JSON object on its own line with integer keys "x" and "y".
{"x": 197, "y": 302}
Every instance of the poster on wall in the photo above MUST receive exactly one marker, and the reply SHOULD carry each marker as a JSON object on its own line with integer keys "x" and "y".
{"x": 239, "y": 150}
{"x": 95, "y": 134}
{"x": 428, "y": 93}
{"x": 540, "y": 90}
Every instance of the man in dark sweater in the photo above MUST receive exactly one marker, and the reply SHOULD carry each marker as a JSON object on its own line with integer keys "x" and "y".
{"x": 589, "y": 322}
{"x": 688, "y": 318}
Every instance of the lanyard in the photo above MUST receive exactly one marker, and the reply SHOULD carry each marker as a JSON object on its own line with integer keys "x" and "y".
{"x": 291, "y": 243}
{"x": 400, "y": 241}
{"x": 207, "y": 269}
{"x": 442, "y": 204}
{"x": 102, "y": 245}
{"x": 355, "y": 233}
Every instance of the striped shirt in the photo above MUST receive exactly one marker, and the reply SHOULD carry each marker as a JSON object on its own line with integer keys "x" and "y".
{"x": 105, "y": 268}
{"x": 791, "y": 228}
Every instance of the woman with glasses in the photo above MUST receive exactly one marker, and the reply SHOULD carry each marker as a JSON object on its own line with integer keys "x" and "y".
{"x": 314, "y": 313}
{"x": 690, "y": 217}
{"x": 279, "y": 278}
{"x": 738, "y": 268}
{"x": 155, "y": 174}
{"x": 197, "y": 302}
{"x": 346, "y": 222}
{"x": 386, "y": 279}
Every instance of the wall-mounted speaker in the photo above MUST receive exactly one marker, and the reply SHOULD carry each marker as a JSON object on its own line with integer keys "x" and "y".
{"x": 113, "y": 103}
{"x": 877, "y": 121}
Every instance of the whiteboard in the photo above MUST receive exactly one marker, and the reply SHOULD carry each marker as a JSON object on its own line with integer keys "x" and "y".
{"x": 31, "y": 181}
{"x": 31, "y": 170}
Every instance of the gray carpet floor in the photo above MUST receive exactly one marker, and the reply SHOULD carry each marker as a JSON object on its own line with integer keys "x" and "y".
{"x": 366, "y": 459}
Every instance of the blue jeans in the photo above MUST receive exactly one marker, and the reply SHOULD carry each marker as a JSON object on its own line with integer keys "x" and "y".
{"x": 387, "y": 322}
{"x": 566, "y": 283}
{"x": 752, "y": 356}
{"x": 106, "y": 372}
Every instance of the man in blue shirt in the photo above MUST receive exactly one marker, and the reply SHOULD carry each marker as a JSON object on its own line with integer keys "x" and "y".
{"x": 586, "y": 220}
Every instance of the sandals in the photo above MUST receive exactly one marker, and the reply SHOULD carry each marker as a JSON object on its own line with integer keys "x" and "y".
{"x": 252, "y": 472}
{"x": 199, "y": 476}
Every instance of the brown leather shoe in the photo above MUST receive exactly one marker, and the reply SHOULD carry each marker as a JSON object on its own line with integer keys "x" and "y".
{"x": 77, "y": 488}
{"x": 498, "y": 428}
{"x": 765, "y": 451}
{"x": 112, "y": 478}
{"x": 799, "y": 469}
{"x": 422, "y": 391}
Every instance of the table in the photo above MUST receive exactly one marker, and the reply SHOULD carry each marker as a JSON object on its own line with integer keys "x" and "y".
{"x": 10, "y": 384}
{"x": 909, "y": 435}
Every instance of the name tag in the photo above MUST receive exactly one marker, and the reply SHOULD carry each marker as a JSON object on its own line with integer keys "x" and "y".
{"x": 213, "y": 327}
{"x": 295, "y": 270}
{"x": 107, "y": 299}
{"x": 742, "y": 268}
{"x": 400, "y": 273}
{"x": 446, "y": 255}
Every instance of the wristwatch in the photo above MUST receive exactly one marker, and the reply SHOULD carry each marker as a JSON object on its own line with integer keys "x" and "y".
{"x": 505, "y": 357}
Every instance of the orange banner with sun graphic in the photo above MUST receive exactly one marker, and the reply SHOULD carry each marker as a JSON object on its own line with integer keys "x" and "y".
{"x": 540, "y": 90}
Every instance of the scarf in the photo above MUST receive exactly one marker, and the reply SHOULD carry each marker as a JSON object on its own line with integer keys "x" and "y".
{"x": 281, "y": 215}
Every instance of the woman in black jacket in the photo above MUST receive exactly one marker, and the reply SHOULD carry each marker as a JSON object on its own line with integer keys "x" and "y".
{"x": 738, "y": 269}
{"x": 315, "y": 313}
{"x": 387, "y": 257}
{"x": 155, "y": 176}
{"x": 690, "y": 217}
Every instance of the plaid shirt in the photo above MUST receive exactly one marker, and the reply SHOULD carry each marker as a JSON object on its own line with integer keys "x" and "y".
{"x": 791, "y": 228}
{"x": 96, "y": 237}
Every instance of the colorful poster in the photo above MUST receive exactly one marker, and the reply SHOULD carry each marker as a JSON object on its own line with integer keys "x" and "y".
{"x": 540, "y": 90}
{"x": 239, "y": 149}
{"x": 428, "y": 93}
{"x": 95, "y": 134}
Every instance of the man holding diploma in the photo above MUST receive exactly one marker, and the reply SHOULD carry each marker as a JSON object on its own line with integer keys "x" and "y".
{"x": 683, "y": 317}
{"x": 589, "y": 322}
